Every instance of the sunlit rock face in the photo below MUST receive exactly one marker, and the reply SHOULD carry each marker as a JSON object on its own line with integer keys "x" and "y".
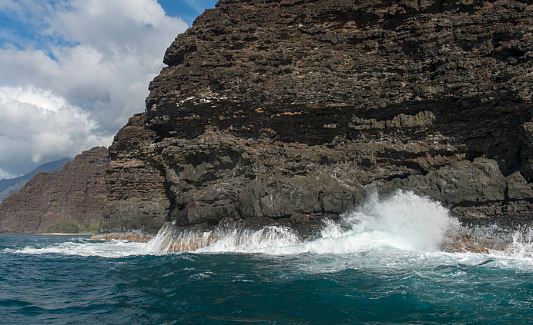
{"x": 289, "y": 112}
{"x": 76, "y": 192}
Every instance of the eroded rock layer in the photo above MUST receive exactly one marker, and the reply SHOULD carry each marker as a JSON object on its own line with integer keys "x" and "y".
{"x": 287, "y": 112}
{"x": 76, "y": 192}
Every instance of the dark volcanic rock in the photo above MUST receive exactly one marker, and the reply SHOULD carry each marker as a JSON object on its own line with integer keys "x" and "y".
{"x": 136, "y": 196}
{"x": 75, "y": 192}
{"x": 286, "y": 112}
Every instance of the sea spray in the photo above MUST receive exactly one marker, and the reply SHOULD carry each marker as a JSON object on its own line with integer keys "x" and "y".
{"x": 222, "y": 239}
{"x": 81, "y": 246}
{"x": 521, "y": 245}
{"x": 402, "y": 221}
{"x": 170, "y": 239}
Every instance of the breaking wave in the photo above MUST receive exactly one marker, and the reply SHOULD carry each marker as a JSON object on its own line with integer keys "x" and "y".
{"x": 521, "y": 245}
{"x": 402, "y": 222}
{"x": 86, "y": 247}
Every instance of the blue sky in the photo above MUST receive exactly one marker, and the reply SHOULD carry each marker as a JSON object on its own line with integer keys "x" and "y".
{"x": 73, "y": 71}
{"x": 188, "y": 10}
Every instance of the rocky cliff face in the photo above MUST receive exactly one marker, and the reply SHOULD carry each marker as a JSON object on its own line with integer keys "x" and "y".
{"x": 75, "y": 192}
{"x": 13, "y": 185}
{"x": 286, "y": 112}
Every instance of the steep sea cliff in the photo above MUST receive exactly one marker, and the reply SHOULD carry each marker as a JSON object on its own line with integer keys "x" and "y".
{"x": 76, "y": 193}
{"x": 310, "y": 162}
{"x": 290, "y": 113}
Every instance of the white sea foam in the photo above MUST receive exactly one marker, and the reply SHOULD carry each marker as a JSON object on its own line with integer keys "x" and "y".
{"x": 402, "y": 222}
{"x": 267, "y": 240}
{"x": 521, "y": 246}
{"x": 112, "y": 248}
{"x": 222, "y": 240}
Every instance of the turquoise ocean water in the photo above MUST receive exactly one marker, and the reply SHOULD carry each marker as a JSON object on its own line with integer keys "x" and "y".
{"x": 380, "y": 265}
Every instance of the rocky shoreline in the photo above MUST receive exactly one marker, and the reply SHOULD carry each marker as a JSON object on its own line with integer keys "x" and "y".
{"x": 67, "y": 234}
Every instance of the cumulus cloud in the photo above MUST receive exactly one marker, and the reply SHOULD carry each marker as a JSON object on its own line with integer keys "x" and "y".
{"x": 38, "y": 126}
{"x": 84, "y": 76}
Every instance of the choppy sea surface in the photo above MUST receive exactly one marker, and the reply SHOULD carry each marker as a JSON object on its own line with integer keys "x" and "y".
{"x": 380, "y": 264}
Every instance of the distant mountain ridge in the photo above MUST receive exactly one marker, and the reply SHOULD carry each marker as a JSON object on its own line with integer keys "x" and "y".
{"x": 74, "y": 194}
{"x": 13, "y": 185}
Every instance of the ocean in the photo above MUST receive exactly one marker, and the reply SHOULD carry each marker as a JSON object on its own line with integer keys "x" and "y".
{"x": 380, "y": 264}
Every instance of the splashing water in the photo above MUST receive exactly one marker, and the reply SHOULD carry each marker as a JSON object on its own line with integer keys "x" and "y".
{"x": 85, "y": 247}
{"x": 403, "y": 221}
{"x": 521, "y": 245}
{"x": 267, "y": 240}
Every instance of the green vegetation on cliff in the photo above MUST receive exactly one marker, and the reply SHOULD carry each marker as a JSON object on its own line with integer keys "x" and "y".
{"x": 69, "y": 226}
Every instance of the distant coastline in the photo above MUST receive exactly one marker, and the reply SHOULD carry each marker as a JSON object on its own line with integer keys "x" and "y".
{"x": 64, "y": 234}
{"x": 50, "y": 234}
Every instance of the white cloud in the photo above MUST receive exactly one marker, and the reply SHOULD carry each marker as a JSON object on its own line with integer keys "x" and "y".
{"x": 38, "y": 126}
{"x": 9, "y": 4}
{"x": 92, "y": 65}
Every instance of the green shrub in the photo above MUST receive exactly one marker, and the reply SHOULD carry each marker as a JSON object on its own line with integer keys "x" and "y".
{"x": 69, "y": 226}
{"x": 90, "y": 227}
{"x": 63, "y": 226}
